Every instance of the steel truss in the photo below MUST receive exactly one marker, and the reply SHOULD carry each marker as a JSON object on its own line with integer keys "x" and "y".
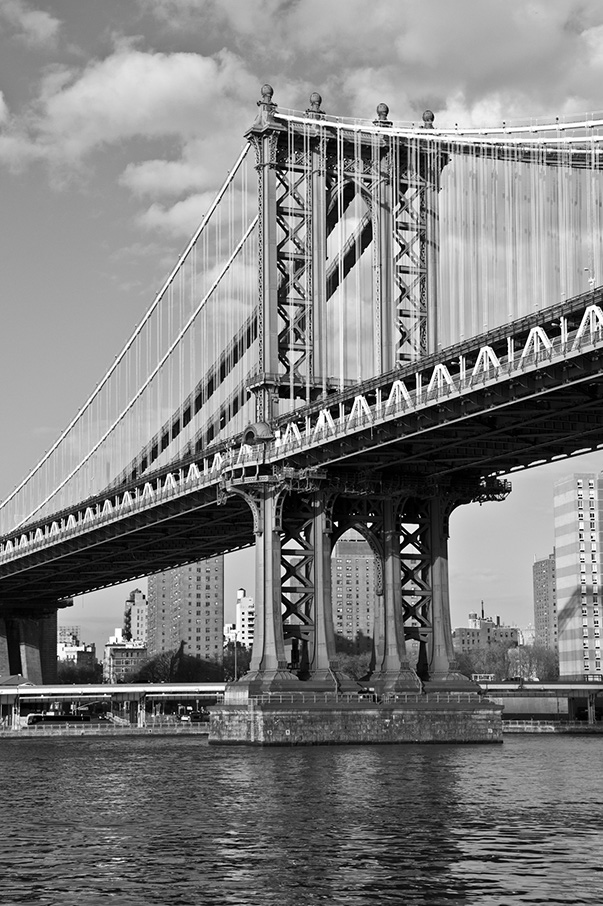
{"x": 297, "y": 520}
{"x": 308, "y": 177}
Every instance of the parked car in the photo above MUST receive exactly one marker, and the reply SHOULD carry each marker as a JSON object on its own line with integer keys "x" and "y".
{"x": 199, "y": 716}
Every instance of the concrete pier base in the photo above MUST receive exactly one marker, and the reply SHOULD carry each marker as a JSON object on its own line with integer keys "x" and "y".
{"x": 437, "y": 718}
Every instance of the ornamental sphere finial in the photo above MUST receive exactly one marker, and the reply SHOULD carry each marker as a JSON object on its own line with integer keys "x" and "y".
{"x": 428, "y": 119}
{"x": 382, "y": 116}
{"x": 265, "y": 118}
{"x": 314, "y": 111}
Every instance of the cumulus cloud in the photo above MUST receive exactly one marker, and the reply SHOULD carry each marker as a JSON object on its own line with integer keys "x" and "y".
{"x": 530, "y": 57}
{"x": 32, "y": 26}
{"x": 131, "y": 93}
{"x": 202, "y": 161}
{"x": 179, "y": 219}
{"x": 473, "y": 62}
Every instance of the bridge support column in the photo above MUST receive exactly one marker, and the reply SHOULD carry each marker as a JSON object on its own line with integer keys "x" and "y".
{"x": 28, "y": 643}
{"x": 48, "y": 646}
{"x": 393, "y": 672}
{"x": 268, "y": 668}
{"x": 324, "y": 665}
{"x": 29, "y": 649}
{"x": 443, "y": 673}
{"x": 4, "y": 659}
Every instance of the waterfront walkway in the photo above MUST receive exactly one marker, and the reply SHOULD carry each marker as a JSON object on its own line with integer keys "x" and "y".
{"x": 105, "y": 729}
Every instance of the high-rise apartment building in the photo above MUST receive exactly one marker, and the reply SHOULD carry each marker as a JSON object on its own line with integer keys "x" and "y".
{"x": 545, "y": 602}
{"x": 187, "y": 605}
{"x": 135, "y": 617}
{"x": 577, "y": 504}
{"x": 245, "y": 618}
{"x": 353, "y": 587}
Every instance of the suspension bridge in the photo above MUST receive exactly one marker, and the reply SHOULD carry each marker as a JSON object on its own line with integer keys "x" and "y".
{"x": 374, "y": 323}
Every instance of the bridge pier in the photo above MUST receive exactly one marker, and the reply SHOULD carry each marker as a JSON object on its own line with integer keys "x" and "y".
{"x": 324, "y": 670}
{"x": 442, "y": 674}
{"x": 4, "y": 656}
{"x": 377, "y": 193}
{"x": 393, "y": 672}
{"x": 268, "y": 670}
{"x": 28, "y": 644}
{"x": 292, "y": 596}
{"x": 409, "y": 535}
{"x": 29, "y": 649}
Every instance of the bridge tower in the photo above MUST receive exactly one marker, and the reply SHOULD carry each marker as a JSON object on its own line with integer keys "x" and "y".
{"x": 332, "y": 203}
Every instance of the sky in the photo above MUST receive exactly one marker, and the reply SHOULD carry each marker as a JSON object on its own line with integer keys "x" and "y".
{"x": 116, "y": 121}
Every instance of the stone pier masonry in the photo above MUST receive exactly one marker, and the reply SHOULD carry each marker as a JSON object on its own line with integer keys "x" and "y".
{"x": 323, "y": 720}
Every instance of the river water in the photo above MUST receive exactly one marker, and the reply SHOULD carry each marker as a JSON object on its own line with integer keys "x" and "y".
{"x": 161, "y": 820}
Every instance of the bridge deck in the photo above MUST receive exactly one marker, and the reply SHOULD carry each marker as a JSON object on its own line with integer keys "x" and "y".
{"x": 452, "y": 422}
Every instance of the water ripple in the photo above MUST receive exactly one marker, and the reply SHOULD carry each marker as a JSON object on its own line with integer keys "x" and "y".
{"x": 172, "y": 821}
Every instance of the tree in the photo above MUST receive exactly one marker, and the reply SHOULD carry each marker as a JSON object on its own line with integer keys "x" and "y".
{"x": 70, "y": 673}
{"x": 465, "y": 663}
{"x": 533, "y": 662}
{"x": 505, "y": 659}
{"x": 494, "y": 658}
{"x": 177, "y": 667}
{"x": 154, "y": 670}
{"x": 356, "y": 666}
{"x": 243, "y": 660}
{"x": 546, "y": 664}
{"x": 354, "y": 655}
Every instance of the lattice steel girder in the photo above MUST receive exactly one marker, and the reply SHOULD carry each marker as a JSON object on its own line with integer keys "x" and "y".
{"x": 297, "y": 585}
{"x": 308, "y": 177}
{"x": 423, "y": 527}
{"x": 409, "y": 536}
{"x": 293, "y": 262}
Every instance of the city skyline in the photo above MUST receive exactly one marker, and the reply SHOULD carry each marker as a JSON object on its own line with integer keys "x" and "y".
{"x": 116, "y": 127}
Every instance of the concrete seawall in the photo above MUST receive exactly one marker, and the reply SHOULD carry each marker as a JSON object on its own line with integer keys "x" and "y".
{"x": 552, "y": 726}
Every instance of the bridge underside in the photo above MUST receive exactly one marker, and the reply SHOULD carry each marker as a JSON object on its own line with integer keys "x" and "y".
{"x": 552, "y": 414}
{"x": 144, "y": 543}
{"x": 494, "y": 430}
{"x": 408, "y": 474}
